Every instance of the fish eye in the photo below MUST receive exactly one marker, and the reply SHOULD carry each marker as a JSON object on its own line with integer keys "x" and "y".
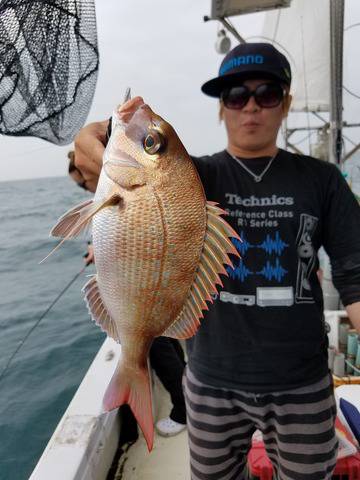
{"x": 153, "y": 142}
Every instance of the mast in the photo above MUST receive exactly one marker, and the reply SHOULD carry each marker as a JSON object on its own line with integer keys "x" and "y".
{"x": 336, "y": 75}
{"x": 331, "y": 296}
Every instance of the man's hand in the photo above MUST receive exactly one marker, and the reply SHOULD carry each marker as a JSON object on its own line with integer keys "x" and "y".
{"x": 89, "y": 149}
{"x": 89, "y": 255}
{"x": 353, "y": 312}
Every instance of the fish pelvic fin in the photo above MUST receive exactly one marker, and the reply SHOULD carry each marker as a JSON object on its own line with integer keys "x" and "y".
{"x": 97, "y": 309}
{"x": 76, "y": 220}
{"x": 217, "y": 246}
{"x": 132, "y": 386}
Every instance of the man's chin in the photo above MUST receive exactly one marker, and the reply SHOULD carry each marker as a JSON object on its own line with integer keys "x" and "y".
{"x": 250, "y": 146}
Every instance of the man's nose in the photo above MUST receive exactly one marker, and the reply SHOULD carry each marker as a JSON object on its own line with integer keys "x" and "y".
{"x": 251, "y": 105}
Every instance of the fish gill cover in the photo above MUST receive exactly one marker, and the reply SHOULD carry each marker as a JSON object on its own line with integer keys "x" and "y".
{"x": 48, "y": 67}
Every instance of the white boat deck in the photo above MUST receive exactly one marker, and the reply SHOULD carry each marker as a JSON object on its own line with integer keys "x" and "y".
{"x": 169, "y": 457}
{"x": 85, "y": 441}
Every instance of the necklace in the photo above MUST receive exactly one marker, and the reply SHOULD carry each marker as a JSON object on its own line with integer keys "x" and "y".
{"x": 257, "y": 178}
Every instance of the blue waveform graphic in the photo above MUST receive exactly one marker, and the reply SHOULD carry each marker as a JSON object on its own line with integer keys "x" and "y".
{"x": 273, "y": 245}
{"x": 242, "y": 247}
{"x": 269, "y": 271}
{"x": 240, "y": 272}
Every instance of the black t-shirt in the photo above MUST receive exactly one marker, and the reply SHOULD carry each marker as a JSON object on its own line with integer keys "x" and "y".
{"x": 266, "y": 330}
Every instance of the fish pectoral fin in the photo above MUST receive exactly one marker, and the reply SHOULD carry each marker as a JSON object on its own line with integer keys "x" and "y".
{"x": 67, "y": 221}
{"x": 98, "y": 310}
{"x": 73, "y": 222}
{"x": 213, "y": 257}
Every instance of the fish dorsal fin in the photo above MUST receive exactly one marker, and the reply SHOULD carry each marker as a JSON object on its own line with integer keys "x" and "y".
{"x": 97, "y": 309}
{"x": 214, "y": 255}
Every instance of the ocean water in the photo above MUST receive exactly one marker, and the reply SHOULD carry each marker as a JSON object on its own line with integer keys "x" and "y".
{"x": 46, "y": 372}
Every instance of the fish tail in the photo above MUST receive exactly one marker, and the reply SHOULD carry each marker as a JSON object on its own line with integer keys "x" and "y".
{"x": 132, "y": 386}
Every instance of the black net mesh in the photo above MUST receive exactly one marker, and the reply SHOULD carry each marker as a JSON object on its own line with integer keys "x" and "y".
{"x": 48, "y": 67}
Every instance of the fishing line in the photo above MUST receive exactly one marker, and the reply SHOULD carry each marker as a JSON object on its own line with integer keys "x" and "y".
{"x": 39, "y": 320}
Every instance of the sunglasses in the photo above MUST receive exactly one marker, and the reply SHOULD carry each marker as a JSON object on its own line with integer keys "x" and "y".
{"x": 266, "y": 95}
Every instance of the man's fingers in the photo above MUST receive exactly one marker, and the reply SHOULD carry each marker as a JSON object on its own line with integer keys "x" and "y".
{"x": 89, "y": 149}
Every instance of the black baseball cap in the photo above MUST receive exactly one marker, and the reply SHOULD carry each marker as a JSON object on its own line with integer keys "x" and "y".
{"x": 249, "y": 60}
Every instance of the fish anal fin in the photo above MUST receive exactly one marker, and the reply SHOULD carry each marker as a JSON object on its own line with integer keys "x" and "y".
{"x": 185, "y": 326}
{"x": 98, "y": 310}
{"x": 216, "y": 247}
{"x": 132, "y": 386}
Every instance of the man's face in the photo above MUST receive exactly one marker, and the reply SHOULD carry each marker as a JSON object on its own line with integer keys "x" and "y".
{"x": 78, "y": 178}
{"x": 254, "y": 128}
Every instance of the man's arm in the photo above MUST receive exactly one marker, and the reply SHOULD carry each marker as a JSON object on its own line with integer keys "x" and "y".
{"x": 341, "y": 239}
{"x": 353, "y": 312}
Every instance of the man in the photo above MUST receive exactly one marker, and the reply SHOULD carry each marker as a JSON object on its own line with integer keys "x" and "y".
{"x": 259, "y": 359}
{"x": 74, "y": 172}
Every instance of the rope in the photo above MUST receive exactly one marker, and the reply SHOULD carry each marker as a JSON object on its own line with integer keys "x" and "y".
{"x": 39, "y": 320}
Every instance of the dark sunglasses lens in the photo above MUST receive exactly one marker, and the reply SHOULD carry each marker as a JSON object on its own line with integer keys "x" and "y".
{"x": 269, "y": 95}
{"x": 236, "y": 97}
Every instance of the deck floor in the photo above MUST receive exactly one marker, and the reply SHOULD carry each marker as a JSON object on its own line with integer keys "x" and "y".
{"x": 169, "y": 457}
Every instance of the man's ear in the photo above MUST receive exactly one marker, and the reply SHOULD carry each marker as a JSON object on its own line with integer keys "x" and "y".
{"x": 287, "y": 104}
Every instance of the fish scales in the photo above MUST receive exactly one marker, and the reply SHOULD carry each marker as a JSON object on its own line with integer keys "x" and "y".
{"x": 149, "y": 258}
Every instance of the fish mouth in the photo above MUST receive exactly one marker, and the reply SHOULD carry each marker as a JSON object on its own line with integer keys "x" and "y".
{"x": 134, "y": 117}
{"x": 127, "y": 110}
{"x": 130, "y": 118}
{"x": 122, "y": 159}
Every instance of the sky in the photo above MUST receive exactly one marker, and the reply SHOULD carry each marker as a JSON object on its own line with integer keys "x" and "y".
{"x": 164, "y": 51}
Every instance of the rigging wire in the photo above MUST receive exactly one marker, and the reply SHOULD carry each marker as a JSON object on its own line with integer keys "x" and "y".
{"x": 305, "y": 81}
{"x": 276, "y": 43}
{"x": 350, "y": 92}
{"x": 39, "y": 320}
{"x": 352, "y": 26}
{"x": 349, "y": 140}
{"x": 345, "y": 88}
{"x": 303, "y": 139}
{"x": 277, "y": 24}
